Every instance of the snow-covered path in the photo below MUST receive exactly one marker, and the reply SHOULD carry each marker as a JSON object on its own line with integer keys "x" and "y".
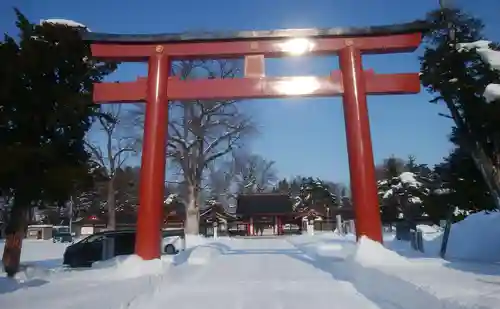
{"x": 294, "y": 272}
{"x": 254, "y": 273}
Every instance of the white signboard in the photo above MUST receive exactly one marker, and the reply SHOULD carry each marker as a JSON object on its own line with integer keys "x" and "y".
{"x": 87, "y": 230}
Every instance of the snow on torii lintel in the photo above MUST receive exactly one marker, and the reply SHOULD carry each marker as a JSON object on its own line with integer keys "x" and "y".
{"x": 65, "y": 22}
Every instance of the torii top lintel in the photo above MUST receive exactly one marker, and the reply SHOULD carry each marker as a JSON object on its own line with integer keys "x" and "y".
{"x": 370, "y": 40}
{"x": 257, "y": 45}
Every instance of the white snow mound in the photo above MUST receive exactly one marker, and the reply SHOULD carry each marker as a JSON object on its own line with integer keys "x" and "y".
{"x": 132, "y": 266}
{"x": 475, "y": 238}
{"x": 31, "y": 272}
{"x": 372, "y": 253}
{"x": 203, "y": 254}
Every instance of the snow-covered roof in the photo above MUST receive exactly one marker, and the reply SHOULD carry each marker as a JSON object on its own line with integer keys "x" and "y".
{"x": 64, "y": 22}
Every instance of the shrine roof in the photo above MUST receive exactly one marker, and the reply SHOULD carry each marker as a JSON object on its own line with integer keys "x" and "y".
{"x": 211, "y": 36}
{"x": 216, "y": 209}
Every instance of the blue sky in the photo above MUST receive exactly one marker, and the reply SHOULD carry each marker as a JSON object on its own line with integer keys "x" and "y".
{"x": 303, "y": 136}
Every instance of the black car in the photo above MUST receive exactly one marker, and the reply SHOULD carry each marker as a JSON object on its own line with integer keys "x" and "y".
{"x": 91, "y": 249}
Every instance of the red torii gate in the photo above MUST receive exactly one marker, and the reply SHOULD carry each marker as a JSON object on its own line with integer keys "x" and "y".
{"x": 352, "y": 82}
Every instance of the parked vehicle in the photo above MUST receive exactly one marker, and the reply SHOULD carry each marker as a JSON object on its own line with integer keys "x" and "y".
{"x": 62, "y": 237}
{"x": 61, "y": 234}
{"x": 172, "y": 241}
{"x": 90, "y": 249}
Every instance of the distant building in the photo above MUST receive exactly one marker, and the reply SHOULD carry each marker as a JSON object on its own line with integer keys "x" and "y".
{"x": 266, "y": 210}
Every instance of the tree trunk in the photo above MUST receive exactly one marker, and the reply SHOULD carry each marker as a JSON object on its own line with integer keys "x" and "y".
{"x": 111, "y": 202}
{"x": 15, "y": 232}
{"x": 192, "y": 212}
{"x": 490, "y": 174}
{"x": 482, "y": 161}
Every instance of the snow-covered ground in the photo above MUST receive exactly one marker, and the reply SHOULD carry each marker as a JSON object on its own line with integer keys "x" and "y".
{"x": 406, "y": 278}
{"x": 321, "y": 271}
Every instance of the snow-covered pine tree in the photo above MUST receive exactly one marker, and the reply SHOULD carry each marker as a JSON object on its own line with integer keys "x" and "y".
{"x": 402, "y": 196}
{"x": 315, "y": 197}
{"x": 457, "y": 76}
{"x": 390, "y": 168}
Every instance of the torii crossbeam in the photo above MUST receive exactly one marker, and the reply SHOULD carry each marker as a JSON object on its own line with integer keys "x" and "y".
{"x": 351, "y": 82}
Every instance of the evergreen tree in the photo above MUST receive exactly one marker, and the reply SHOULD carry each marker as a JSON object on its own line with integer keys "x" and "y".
{"x": 465, "y": 190}
{"x": 315, "y": 196}
{"x": 282, "y": 187}
{"x": 387, "y": 173}
{"x": 458, "y": 79}
{"x": 403, "y": 192}
{"x": 46, "y": 110}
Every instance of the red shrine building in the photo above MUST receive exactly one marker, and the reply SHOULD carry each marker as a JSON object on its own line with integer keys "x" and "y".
{"x": 275, "y": 214}
{"x": 265, "y": 211}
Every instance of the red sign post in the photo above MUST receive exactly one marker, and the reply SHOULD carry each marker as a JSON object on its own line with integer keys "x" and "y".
{"x": 351, "y": 82}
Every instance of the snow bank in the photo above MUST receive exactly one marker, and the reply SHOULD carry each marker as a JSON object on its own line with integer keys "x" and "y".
{"x": 376, "y": 273}
{"x": 32, "y": 272}
{"x": 206, "y": 249}
{"x": 423, "y": 282}
{"x": 475, "y": 238}
{"x": 203, "y": 254}
{"x": 326, "y": 245}
{"x": 130, "y": 266}
{"x": 40, "y": 259}
{"x": 372, "y": 253}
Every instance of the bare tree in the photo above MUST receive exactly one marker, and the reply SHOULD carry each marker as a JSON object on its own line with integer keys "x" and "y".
{"x": 220, "y": 181}
{"x": 243, "y": 173}
{"x": 201, "y": 132}
{"x": 253, "y": 173}
{"x": 390, "y": 167}
{"x": 110, "y": 149}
